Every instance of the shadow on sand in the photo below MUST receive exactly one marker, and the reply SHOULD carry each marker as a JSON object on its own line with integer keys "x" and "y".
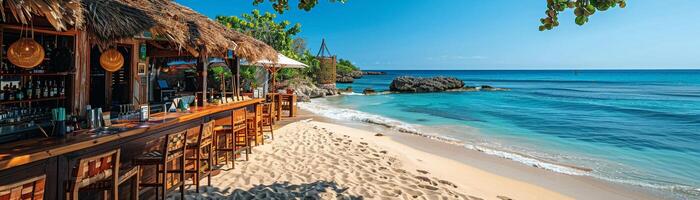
{"x": 285, "y": 190}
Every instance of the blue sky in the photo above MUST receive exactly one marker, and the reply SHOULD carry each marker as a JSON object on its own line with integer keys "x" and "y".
{"x": 491, "y": 34}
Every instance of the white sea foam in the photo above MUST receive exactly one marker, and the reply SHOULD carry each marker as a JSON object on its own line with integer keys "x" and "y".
{"x": 528, "y": 160}
{"x": 352, "y": 93}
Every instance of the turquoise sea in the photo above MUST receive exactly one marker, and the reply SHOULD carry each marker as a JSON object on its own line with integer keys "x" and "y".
{"x": 637, "y": 127}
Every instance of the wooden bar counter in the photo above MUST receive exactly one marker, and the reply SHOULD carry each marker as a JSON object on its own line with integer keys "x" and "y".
{"x": 53, "y": 156}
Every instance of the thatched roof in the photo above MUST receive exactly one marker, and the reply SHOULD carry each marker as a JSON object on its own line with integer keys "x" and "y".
{"x": 111, "y": 20}
{"x": 247, "y": 47}
{"x": 191, "y": 29}
{"x": 104, "y": 20}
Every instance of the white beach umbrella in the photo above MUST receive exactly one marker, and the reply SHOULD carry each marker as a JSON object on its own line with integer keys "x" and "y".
{"x": 282, "y": 62}
{"x": 272, "y": 67}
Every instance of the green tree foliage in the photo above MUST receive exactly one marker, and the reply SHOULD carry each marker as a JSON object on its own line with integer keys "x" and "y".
{"x": 279, "y": 35}
{"x": 283, "y": 5}
{"x": 345, "y": 67}
{"x": 299, "y": 45}
{"x": 583, "y": 9}
{"x": 264, "y": 28}
{"x": 215, "y": 73}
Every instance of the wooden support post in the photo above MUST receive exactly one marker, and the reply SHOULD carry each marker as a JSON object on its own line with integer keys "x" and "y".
{"x": 237, "y": 87}
{"x": 204, "y": 60}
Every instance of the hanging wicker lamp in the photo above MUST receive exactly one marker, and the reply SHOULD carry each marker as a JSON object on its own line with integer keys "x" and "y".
{"x": 25, "y": 53}
{"x": 111, "y": 60}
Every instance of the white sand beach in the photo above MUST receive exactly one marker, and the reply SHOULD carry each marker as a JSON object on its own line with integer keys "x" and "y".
{"x": 316, "y": 159}
{"x": 320, "y": 160}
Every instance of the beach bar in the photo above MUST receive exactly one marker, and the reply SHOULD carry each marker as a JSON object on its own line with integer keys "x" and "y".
{"x": 90, "y": 98}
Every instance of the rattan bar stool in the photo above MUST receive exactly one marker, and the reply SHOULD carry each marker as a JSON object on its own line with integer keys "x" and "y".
{"x": 97, "y": 173}
{"x": 254, "y": 121}
{"x": 268, "y": 119}
{"x": 227, "y": 138}
{"x": 28, "y": 189}
{"x": 202, "y": 154}
{"x": 173, "y": 150}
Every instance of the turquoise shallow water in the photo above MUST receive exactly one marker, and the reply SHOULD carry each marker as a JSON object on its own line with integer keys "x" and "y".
{"x": 633, "y": 127}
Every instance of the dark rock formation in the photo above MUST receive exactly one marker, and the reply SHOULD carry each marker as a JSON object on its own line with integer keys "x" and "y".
{"x": 356, "y": 74}
{"x": 348, "y": 77}
{"x": 434, "y": 84}
{"x": 346, "y": 90}
{"x": 344, "y": 79}
{"x": 369, "y": 91}
{"x": 373, "y": 73}
{"x": 306, "y": 90}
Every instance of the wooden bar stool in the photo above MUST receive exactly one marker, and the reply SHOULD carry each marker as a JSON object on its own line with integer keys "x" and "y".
{"x": 202, "y": 154}
{"x": 274, "y": 99}
{"x": 28, "y": 189}
{"x": 268, "y": 119}
{"x": 173, "y": 150}
{"x": 254, "y": 121}
{"x": 97, "y": 173}
{"x": 287, "y": 104}
{"x": 230, "y": 129}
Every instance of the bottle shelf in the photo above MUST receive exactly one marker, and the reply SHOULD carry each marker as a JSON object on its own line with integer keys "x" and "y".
{"x": 33, "y": 100}
{"x": 36, "y": 74}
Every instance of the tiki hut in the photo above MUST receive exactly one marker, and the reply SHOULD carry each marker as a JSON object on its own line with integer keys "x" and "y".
{"x": 191, "y": 30}
{"x": 103, "y": 20}
{"x": 107, "y": 21}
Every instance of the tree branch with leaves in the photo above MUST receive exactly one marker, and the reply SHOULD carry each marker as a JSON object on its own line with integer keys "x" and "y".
{"x": 583, "y": 9}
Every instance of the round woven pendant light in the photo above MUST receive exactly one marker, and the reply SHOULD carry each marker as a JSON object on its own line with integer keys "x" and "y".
{"x": 111, "y": 60}
{"x": 25, "y": 53}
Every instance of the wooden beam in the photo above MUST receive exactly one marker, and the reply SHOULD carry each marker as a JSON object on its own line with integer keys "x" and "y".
{"x": 164, "y": 53}
{"x": 39, "y": 30}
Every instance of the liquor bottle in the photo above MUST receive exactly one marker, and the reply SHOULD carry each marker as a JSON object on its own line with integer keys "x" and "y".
{"x": 2, "y": 93}
{"x": 62, "y": 89}
{"x": 37, "y": 90}
{"x": 45, "y": 89}
{"x": 54, "y": 89}
{"x": 10, "y": 94}
{"x": 30, "y": 90}
{"x": 19, "y": 92}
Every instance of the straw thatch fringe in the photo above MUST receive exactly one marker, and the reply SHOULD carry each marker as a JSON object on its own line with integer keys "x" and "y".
{"x": 104, "y": 25}
{"x": 60, "y": 13}
{"x": 108, "y": 21}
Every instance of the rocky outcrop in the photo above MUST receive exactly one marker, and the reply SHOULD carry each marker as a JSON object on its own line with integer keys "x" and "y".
{"x": 357, "y": 74}
{"x": 367, "y": 91}
{"x": 373, "y": 73}
{"x": 344, "y": 79}
{"x": 305, "y": 90}
{"x": 348, "y": 77}
{"x": 416, "y": 84}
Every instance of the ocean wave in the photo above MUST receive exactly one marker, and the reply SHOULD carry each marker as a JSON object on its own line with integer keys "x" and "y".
{"x": 344, "y": 114}
{"x": 359, "y": 116}
{"x": 559, "y": 168}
